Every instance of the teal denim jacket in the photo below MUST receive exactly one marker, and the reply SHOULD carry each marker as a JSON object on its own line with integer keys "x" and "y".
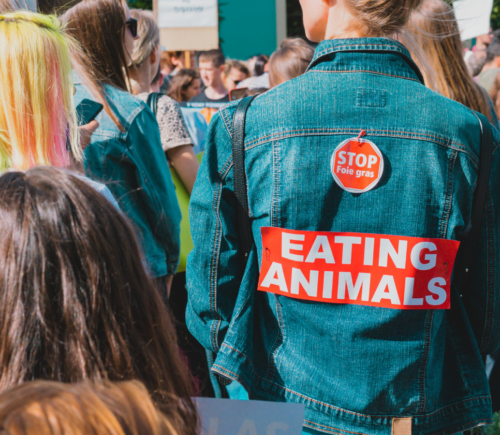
{"x": 134, "y": 168}
{"x": 356, "y": 368}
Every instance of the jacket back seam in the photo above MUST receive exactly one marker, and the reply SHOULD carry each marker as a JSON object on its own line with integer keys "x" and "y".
{"x": 214, "y": 330}
{"x": 425, "y": 358}
{"x": 449, "y": 195}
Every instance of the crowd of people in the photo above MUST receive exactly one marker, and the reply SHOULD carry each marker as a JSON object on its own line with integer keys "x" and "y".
{"x": 106, "y": 328}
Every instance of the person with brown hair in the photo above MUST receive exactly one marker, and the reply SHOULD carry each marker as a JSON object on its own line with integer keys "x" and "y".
{"x": 436, "y": 32}
{"x": 177, "y": 61}
{"x": 77, "y": 303}
{"x": 185, "y": 85}
{"x": 47, "y": 408}
{"x": 125, "y": 151}
{"x": 235, "y": 73}
{"x": 289, "y": 61}
{"x": 212, "y": 67}
{"x": 325, "y": 269}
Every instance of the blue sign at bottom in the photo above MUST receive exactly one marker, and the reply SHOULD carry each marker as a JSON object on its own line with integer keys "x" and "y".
{"x": 239, "y": 417}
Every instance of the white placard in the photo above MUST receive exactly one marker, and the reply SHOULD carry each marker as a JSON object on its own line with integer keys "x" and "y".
{"x": 187, "y": 13}
{"x": 473, "y": 17}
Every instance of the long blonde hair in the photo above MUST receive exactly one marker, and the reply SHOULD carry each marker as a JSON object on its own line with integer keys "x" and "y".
{"x": 149, "y": 35}
{"x": 435, "y": 30}
{"x": 37, "y": 115}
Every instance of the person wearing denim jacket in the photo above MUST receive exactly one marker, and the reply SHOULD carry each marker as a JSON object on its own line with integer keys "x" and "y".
{"x": 132, "y": 165}
{"x": 358, "y": 369}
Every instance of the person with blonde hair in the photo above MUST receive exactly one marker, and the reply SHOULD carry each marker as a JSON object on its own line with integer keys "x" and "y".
{"x": 436, "y": 33}
{"x": 37, "y": 111}
{"x": 46, "y": 408}
{"x": 175, "y": 138}
{"x": 38, "y": 124}
{"x": 325, "y": 268}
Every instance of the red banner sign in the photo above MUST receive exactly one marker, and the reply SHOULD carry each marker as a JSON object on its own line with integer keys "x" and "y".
{"x": 406, "y": 273}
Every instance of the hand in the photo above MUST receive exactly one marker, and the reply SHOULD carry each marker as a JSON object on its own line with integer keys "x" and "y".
{"x": 86, "y": 132}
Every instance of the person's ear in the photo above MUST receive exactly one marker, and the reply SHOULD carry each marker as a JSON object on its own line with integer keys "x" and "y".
{"x": 222, "y": 69}
{"x": 154, "y": 56}
{"x": 497, "y": 61}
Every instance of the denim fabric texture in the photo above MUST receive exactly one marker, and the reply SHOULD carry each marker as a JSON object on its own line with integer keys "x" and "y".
{"x": 356, "y": 368}
{"x": 134, "y": 168}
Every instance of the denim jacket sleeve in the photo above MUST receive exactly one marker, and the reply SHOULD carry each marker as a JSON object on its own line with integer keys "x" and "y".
{"x": 482, "y": 300}
{"x": 213, "y": 269}
{"x": 156, "y": 185}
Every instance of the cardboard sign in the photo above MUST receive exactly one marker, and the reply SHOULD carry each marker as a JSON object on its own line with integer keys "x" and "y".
{"x": 239, "y": 417}
{"x": 357, "y": 165}
{"x": 406, "y": 273}
{"x": 187, "y": 13}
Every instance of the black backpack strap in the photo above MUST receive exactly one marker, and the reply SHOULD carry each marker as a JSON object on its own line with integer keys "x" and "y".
{"x": 153, "y": 101}
{"x": 468, "y": 247}
{"x": 240, "y": 180}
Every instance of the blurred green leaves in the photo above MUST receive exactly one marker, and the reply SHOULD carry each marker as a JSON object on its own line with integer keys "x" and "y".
{"x": 140, "y": 4}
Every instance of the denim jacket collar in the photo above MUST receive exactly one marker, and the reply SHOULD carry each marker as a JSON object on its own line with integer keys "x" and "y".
{"x": 401, "y": 65}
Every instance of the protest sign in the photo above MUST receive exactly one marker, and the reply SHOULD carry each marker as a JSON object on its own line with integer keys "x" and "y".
{"x": 187, "y": 13}
{"x": 473, "y": 17}
{"x": 241, "y": 417}
{"x": 188, "y": 24}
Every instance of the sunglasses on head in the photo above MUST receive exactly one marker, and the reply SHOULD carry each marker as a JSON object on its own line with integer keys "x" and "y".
{"x": 132, "y": 26}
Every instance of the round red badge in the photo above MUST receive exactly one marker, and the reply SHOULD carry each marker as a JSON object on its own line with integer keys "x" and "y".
{"x": 357, "y": 165}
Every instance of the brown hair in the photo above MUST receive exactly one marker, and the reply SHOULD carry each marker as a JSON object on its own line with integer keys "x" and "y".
{"x": 47, "y": 408}
{"x": 99, "y": 26}
{"x": 180, "y": 82}
{"x": 236, "y": 64}
{"x": 214, "y": 56}
{"x": 165, "y": 61}
{"x": 74, "y": 306}
{"x": 381, "y": 17}
{"x": 288, "y": 62}
{"x": 435, "y": 30}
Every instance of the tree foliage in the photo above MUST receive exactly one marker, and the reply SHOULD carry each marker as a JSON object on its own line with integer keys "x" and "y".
{"x": 495, "y": 16}
{"x": 140, "y": 4}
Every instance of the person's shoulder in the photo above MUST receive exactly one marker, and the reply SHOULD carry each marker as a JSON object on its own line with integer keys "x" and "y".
{"x": 129, "y": 107}
{"x": 455, "y": 124}
{"x": 167, "y": 101}
{"x": 201, "y": 98}
{"x": 125, "y": 100}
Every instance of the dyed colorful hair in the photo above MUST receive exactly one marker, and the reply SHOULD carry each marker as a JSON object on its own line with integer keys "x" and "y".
{"x": 37, "y": 114}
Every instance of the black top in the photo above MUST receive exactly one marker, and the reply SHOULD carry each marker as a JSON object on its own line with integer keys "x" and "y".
{"x": 202, "y": 98}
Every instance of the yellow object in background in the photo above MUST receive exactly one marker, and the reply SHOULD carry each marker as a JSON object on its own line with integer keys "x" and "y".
{"x": 183, "y": 198}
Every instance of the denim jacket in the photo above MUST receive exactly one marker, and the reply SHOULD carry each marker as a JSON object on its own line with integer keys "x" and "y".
{"x": 356, "y": 368}
{"x": 133, "y": 166}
